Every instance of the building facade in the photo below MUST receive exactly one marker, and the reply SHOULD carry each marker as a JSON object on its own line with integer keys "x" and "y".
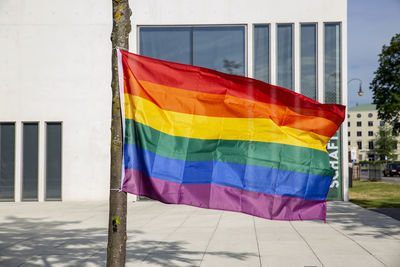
{"x": 55, "y": 73}
{"x": 363, "y": 126}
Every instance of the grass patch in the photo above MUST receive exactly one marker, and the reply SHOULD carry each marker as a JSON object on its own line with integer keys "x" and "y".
{"x": 372, "y": 195}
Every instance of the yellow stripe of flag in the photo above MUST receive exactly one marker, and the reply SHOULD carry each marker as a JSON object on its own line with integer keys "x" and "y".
{"x": 206, "y": 127}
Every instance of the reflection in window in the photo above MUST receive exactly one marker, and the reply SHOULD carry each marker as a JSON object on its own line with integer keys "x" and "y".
{"x": 332, "y": 62}
{"x": 285, "y": 56}
{"x": 30, "y": 161}
{"x": 261, "y": 52}
{"x": 167, "y": 43}
{"x": 220, "y": 48}
{"x": 309, "y": 60}
{"x": 7, "y": 160}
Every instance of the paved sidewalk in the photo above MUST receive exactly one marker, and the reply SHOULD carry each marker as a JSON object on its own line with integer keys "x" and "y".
{"x": 75, "y": 234}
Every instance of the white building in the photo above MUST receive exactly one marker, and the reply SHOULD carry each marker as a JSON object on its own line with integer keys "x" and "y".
{"x": 363, "y": 126}
{"x": 55, "y": 76}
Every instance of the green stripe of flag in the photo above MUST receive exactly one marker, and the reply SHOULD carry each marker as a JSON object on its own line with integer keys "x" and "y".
{"x": 270, "y": 155}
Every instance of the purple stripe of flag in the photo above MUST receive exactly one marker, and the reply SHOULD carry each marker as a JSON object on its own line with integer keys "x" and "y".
{"x": 224, "y": 198}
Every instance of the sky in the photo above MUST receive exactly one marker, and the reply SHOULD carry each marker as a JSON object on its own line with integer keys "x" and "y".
{"x": 371, "y": 24}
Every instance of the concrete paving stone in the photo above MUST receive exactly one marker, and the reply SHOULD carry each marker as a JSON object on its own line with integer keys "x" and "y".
{"x": 335, "y": 260}
{"x": 75, "y": 234}
{"x": 290, "y": 261}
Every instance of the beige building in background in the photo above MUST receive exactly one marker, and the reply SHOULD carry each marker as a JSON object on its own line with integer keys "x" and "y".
{"x": 363, "y": 125}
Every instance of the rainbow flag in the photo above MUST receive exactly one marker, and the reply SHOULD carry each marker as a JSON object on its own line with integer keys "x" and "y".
{"x": 199, "y": 137}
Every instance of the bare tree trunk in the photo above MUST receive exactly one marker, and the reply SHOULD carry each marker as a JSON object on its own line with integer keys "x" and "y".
{"x": 116, "y": 249}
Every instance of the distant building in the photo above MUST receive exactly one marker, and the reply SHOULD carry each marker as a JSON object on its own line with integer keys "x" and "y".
{"x": 363, "y": 125}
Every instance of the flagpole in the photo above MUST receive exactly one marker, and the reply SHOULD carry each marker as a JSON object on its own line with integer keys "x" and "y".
{"x": 116, "y": 248}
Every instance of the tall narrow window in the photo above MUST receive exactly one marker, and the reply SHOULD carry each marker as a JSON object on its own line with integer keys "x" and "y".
{"x": 285, "y": 56}
{"x": 53, "y": 161}
{"x": 7, "y": 161}
{"x": 30, "y": 161}
{"x": 261, "y": 52}
{"x": 332, "y": 63}
{"x": 309, "y": 60}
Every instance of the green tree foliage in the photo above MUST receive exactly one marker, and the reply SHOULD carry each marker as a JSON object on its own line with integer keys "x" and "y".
{"x": 385, "y": 143}
{"x": 386, "y": 84}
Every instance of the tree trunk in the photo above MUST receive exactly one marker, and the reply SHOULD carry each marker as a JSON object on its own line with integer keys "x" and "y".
{"x": 116, "y": 249}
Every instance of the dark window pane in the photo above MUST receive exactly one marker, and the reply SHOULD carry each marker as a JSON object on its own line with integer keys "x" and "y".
{"x": 261, "y": 52}
{"x": 219, "y": 48}
{"x": 332, "y": 63}
{"x": 7, "y": 161}
{"x": 285, "y": 56}
{"x": 359, "y": 144}
{"x": 167, "y": 43}
{"x": 309, "y": 60}
{"x": 371, "y": 144}
{"x": 53, "y": 161}
{"x": 30, "y": 162}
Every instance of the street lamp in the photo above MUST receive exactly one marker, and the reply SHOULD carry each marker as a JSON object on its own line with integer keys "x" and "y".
{"x": 360, "y": 92}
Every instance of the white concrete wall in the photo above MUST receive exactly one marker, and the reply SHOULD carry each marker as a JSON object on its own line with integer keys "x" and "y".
{"x": 55, "y": 58}
{"x": 55, "y": 65}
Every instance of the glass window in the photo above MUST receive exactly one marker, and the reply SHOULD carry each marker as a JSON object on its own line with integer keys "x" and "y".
{"x": 370, "y": 115}
{"x": 359, "y": 133}
{"x": 359, "y": 144}
{"x": 358, "y": 123}
{"x": 371, "y": 145}
{"x": 7, "y": 161}
{"x": 285, "y": 56}
{"x": 220, "y": 48}
{"x": 348, "y": 143}
{"x": 163, "y": 43}
{"x": 30, "y": 158}
{"x": 332, "y": 62}
{"x": 348, "y": 115}
{"x": 370, "y": 123}
{"x": 261, "y": 53}
{"x": 381, "y": 123}
{"x": 348, "y": 133}
{"x": 348, "y": 124}
{"x": 370, "y": 133}
{"x": 358, "y": 115}
{"x": 53, "y": 161}
{"x": 308, "y": 60}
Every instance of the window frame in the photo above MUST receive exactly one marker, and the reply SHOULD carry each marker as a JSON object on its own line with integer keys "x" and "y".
{"x": 292, "y": 24}
{"x": 316, "y": 58}
{"x": 22, "y": 161}
{"x": 341, "y": 83}
{"x": 45, "y": 160}
{"x": 269, "y": 48}
{"x": 15, "y": 160}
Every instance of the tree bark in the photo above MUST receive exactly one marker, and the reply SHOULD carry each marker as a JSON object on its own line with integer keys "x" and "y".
{"x": 116, "y": 249}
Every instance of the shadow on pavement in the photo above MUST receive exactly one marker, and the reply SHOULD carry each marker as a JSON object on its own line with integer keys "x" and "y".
{"x": 41, "y": 242}
{"x": 362, "y": 222}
